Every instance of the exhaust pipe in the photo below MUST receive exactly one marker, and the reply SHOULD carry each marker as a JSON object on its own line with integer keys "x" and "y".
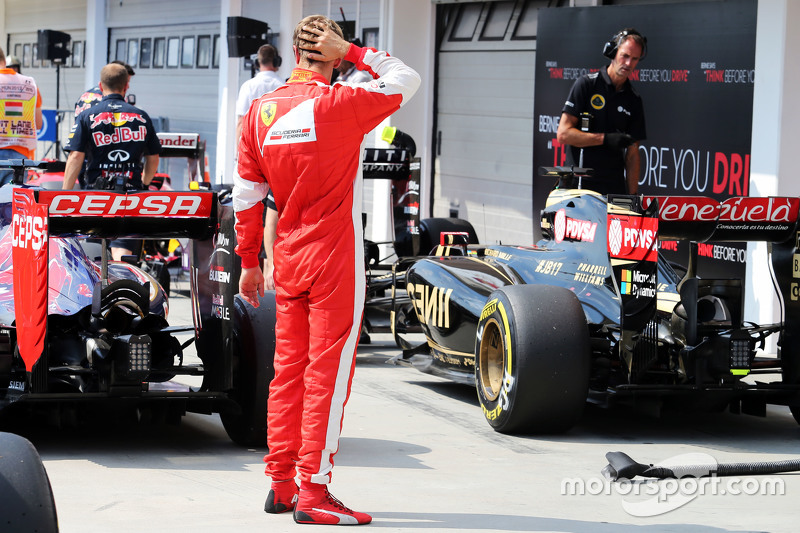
{"x": 621, "y": 466}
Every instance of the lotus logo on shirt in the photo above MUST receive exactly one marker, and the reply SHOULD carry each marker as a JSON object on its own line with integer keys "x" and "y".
{"x": 597, "y": 101}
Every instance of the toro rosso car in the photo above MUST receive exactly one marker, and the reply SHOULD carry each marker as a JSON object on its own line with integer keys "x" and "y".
{"x": 75, "y": 332}
{"x": 592, "y": 312}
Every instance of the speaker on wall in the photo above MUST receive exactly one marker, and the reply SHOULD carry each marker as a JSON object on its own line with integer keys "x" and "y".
{"x": 53, "y": 45}
{"x": 245, "y": 35}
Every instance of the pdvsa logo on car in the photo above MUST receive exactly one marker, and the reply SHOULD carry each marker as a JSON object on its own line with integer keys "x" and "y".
{"x": 28, "y": 231}
{"x": 632, "y": 237}
{"x": 573, "y": 228}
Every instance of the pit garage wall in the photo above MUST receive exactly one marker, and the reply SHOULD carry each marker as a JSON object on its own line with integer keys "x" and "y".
{"x": 696, "y": 82}
{"x": 484, "y": 110}
{"x": 776, "y": 113}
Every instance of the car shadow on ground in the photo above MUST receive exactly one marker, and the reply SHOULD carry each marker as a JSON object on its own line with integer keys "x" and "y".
{"x": 121, "y": 438}
{"x": 505, "y": 522}
{"x": 622, "y": 423}
{"x": 619, "y": 424}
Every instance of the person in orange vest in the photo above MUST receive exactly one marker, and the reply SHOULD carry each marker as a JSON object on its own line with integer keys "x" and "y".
{"x": 20, "y": 116}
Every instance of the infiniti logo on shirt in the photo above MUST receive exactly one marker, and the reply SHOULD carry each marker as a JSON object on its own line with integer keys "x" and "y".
{"x": 118, "y": 155}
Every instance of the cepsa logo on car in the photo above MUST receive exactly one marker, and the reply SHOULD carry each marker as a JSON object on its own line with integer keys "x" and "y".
{"x": 632, "y": 237}
{"x": 573, "y": 228}
{"x": 28, "y": 231}
{"x": 182, "y": 205}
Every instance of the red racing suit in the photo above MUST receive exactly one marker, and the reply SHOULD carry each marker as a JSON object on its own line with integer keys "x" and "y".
{"x": 304, "y": 141}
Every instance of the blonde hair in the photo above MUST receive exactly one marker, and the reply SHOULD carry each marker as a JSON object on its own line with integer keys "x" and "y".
{"x": 114, "y": 77}
{"x": 317, "y": 21}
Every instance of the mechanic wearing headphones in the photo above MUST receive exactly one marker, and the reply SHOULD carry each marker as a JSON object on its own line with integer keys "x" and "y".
{"x": 265, "y": 81}
{"x": 603, "y": 119}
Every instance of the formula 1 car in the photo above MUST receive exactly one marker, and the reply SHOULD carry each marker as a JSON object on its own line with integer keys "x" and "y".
{"x": 78, "y": 333}
{"x": 593, "y": 312}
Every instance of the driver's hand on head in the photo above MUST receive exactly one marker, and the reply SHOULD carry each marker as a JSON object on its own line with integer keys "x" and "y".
{"x": 323, "y": 44}
{"x": 251, "y": 285}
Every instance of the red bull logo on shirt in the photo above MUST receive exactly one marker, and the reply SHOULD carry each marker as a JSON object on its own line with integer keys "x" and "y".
{"x": 120, "y": 135}
{"x": 115, "y": 119}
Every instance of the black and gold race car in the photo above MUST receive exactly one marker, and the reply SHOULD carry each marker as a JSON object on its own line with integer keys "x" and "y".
{"x": 593, "y": 311}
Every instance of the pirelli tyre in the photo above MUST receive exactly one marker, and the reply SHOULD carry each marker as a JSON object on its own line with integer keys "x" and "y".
{"x": 252, "y": 372}
{"x": 532, "y": 359}
{"x": 26, "y": 497}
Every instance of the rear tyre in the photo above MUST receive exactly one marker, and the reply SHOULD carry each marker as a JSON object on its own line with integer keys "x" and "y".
{"x": 25, "y": 491}
{"x": 532, "y": 359}
{"x": 253, "y": 371}
{"x": 432, "y": 228}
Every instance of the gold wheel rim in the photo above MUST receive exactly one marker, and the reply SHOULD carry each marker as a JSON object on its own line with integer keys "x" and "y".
{"x": 491, "y": 359}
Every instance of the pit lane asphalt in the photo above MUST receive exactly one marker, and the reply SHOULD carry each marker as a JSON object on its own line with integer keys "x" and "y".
{"x": 418, "y": 455}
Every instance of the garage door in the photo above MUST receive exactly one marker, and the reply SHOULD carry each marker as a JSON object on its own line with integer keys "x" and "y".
{"x": 484, "y": 119}
{"x": 176, "y": 79}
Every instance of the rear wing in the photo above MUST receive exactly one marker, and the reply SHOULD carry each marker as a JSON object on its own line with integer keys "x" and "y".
{"x": 741, "y": 218}
{"x": 102, "y": 214}
{"x": 39, "y": 214}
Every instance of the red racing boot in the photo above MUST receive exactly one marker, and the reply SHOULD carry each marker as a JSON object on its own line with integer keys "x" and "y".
{"x": 282, "y": 497}
{"x": 317, "y": 506}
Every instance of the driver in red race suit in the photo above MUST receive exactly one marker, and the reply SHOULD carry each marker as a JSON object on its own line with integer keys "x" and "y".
{"x": 304, "y": 141}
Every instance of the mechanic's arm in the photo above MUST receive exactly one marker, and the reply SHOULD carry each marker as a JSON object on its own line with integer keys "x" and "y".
{"x": 270, "y": 233}
{"x": 632, "y": 168}
{"x": 569, "y": 133}
{"x": 73, "y": 168}
{"x": 150, "y": 168}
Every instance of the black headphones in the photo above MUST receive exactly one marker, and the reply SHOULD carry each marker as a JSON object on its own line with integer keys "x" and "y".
{"x": 610, "y": 48}
{"x": 276, "y": 58}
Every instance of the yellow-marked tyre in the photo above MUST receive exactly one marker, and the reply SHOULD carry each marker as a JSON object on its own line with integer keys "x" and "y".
{"x": 532, "y": 359}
